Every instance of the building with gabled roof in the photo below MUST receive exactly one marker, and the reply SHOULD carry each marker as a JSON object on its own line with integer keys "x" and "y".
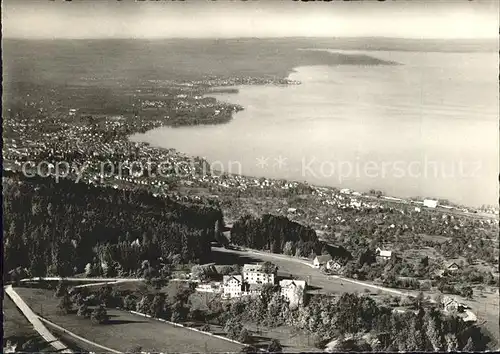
{"x": 232, "y": 286}
{"x": 452, "y": 266}
{"x": 293, "y": 291}
{"x": 383, "y": 254}
{"x": 321, "y": 260}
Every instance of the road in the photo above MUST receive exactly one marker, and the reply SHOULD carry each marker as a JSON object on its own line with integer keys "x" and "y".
{"x": 303, "y": 269}
{"x": 35, "y": 321}
{"x": 439, "y": 208}
{"x": 102, "y": 280}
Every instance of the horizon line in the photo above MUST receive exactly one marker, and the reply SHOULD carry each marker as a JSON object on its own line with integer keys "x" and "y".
{"x": 253, "y": 37}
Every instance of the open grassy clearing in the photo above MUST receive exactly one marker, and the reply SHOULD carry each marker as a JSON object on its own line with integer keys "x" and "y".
{"x": 291, "y": 339}
{"x": 125, "y": 330}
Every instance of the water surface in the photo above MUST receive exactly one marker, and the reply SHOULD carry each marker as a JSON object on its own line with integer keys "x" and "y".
{"x": 427, "y": 127}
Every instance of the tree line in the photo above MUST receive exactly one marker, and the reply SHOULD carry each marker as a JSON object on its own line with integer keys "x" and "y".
{"x": 271, "y": 232}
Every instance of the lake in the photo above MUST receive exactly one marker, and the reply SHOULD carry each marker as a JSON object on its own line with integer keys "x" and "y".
{"x": 426, "y": 127}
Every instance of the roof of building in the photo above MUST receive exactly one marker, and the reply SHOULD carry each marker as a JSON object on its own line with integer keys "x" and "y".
{"x": 451, "y": 263}
{"x": 252, "y": 267}
{"x": 430, "y": 203}
{"x": 337, "y": 261}
{"x": 292, "y": 282}
{"x": 254, "y": 287}
{"x": 385, "y": 254}
{"x": 447, "y": 300}
{"x": 227, "y": 278}
{"x": 323, "y": 258}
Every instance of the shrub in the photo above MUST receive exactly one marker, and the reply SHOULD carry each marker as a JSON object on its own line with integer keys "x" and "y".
{"x": 135, "y": 349}
{"x": 29, "y": 346}
{"x": 61, "y": 289}
{"x": 233, "y": 328}
{"x": 319, "y": 342}
{"x": 130, "y": 302}
{"x": 205, "y": 328}
{"x": 99, "y": 315}
{"x": 244, "y": 336}
{"x": 65, "y": 304}
{"x": 83, "y": 310}
{"x": 275, "y": 346}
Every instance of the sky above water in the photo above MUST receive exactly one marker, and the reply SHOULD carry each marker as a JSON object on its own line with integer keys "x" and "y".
{"x": 448, "y": 19}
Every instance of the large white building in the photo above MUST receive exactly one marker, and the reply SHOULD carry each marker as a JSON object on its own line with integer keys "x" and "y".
{"x": 429, "y": 203}
{"x": 253, "y": 274}
{"x": 293, "y": 291}
{"x": 232, "y": 286}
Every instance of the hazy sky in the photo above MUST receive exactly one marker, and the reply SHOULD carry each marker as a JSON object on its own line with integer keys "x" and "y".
{"x": 264, "y": 18}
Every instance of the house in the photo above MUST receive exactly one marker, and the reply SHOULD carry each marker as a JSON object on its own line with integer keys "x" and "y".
{"x": 429, "y": 203}
{"x": 452, "y": 267}
{"x": 469, "y": 316}
{"x": 321, "y": 260}
{"x": 293, "y": 291}
{"x": 450, "y": 304}
{"x": 253, "y": 274}
{"x": 232, "y": 286}
{"x": 383, "y": 254}
{"x": 333, "y": 265}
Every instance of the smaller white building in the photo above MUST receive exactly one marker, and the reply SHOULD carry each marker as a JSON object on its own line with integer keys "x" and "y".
{"x": 450, "y": 304}
{"x": 232, "y": 286}
{"x": 452, "y": 267}
{"x": 214, "y": 287}
{"x": 383, "y": 254}
{"x": 430, "y": 203}
{"x": 333, "y": 265}
{"x": 293, "y": 291}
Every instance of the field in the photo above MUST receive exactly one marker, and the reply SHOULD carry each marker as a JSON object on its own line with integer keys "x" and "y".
{"x": 126, "y": 331}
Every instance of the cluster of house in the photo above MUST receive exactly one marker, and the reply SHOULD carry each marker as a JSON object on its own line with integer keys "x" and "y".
{"x": 251, "y": 282}
{"x": 331, "y": 264}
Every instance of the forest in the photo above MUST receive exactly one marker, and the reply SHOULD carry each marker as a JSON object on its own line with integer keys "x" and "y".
{"x": 275, "y": 233}
{"x": 66, "y": 228}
